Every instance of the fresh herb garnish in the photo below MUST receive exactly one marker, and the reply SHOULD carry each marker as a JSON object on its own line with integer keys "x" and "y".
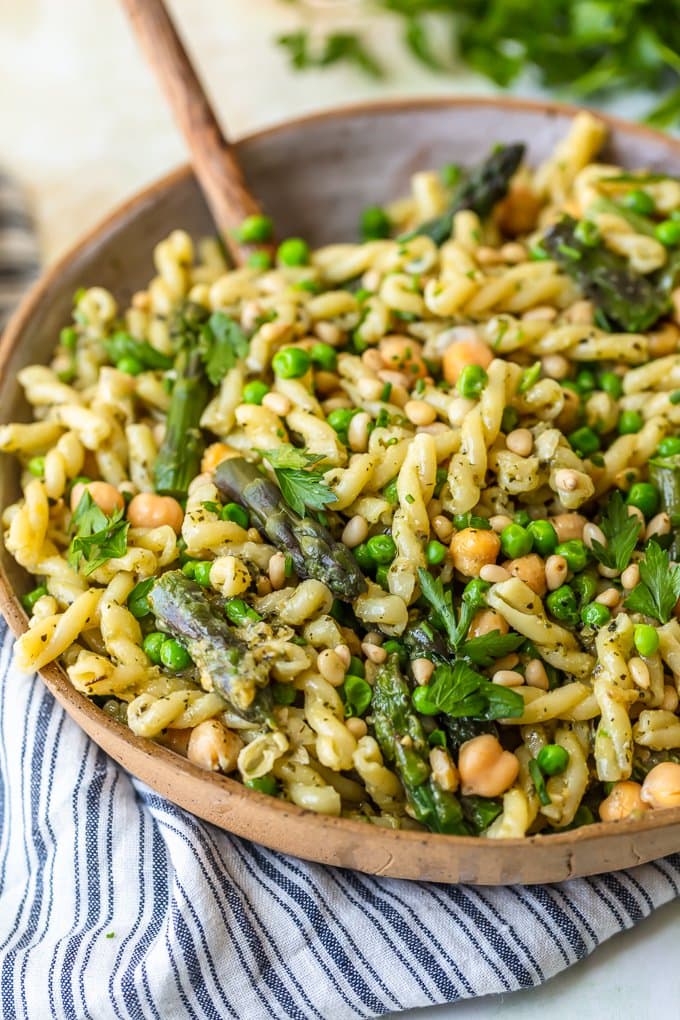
{"x": 222, "y": 344}
{"x": 474, "y": 598}
{"x": 539, "y": 782}
{"x": 483, "y": 650}
{"x": 621, "y": 530}
{"x": 659, "y": 587}
{"x": 457, "y": 690}
{"x": 301, "y": 484}
{"x": 97, "y": 537}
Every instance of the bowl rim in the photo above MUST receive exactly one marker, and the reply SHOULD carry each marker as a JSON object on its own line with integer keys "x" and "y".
{"x": 88, "y": 716}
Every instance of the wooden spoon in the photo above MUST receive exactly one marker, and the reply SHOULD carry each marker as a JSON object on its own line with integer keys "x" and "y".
{"x": 213, "y": 158}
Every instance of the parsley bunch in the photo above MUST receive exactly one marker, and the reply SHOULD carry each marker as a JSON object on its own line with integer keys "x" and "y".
{"x": 300, "y": 481}
{"x": 97, "y": 537}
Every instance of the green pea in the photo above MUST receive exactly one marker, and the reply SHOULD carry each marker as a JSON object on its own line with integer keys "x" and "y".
{"x": 645, "y": 497}
{"x": 630, "y": 422}
{"x": 552, "y": 759}
{"x": 339, "y": 420}
{"x": 325, "y": 356}
{"x": 646, "y": 639}
{"x": 543, "y": 536}
{"x": 283, "y": 694}
{"x": 422, "y": 703}
{"x": 575, "y": 553}
{"x": 239, "y": 612}
{"x": 516, "y": 541}
{"x": 189, "y": 568}
{"x": 254, "y": 392}
{"x": 509, "y": 419}
{"x": 68, "y": 338}
{"x": 152, "y": 645}
{"x": 363, "y": 556}
{"x": 595, "y": 615}
{"x": 174, "y": 656}
{"x": 375, "y": 224}
{"x": 36, "y": 466}
{"x": 587, "y": 233}
{"x": 472, "y": 381}
{"x": 562, "y": 604}
{"x": 611, "y": 383}
{"x": 522, "y": 518}
{"x": 263, "y": 784}
{"x": 356, "y": 694}
{"x": 138, "y": 601}
{"x": 584, "y": 441}
{"x": 394, "y": 647}
{"x": 356, "y": 666}
{"x": 435, "y": 553}
{"x": 450, "y": 174}
{"x": 585, "y": 380}
{"x": 668, "y": 233}
{"x": 585, "y": 586}
{"x": 291, "y": 362}
{"x": 234, "y": 512}
{"x": 255, "y": 229}
{"x": 29, "y": 600}
{"x": 260, "y": 260}
{"x": 474, "y": 592}
{"x": 381, "y": 575}
{"x": 381, "y": 549}
{"x": 130, "y": 365}
{"x": 390, "y": 491}
{"x": 669, "y": 447}
{"x": 639, "y": 201}
{"x": 202, "y": 573}
{"x": 469, "y": 520}
{"x": 293, "y": 252}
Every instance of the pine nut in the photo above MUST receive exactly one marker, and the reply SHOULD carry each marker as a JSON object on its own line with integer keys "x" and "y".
{"x": 357, "y": 727}
{"x": 660, "y": 524}
{"x": 278, "y": 403}
{"x": 535, "y": 675}
{"x": 357, "y": 433}
{"x": 607, "y": 572}
{"x": 520, "y": 441}
{"x": 499, "y": 522}
{"x": 556, "y": 570}
{"x": 630, "y": 577}
{"x": 541, "y": 312}
{"x": 344, "y": 653}
{"x": 507, "y": 678}
{"x": 374, "y": 652}
{"x": 444, "y": 772}
{"x": 639, "y": 673}
{"x": 487, "y": 256}
{"x": 263, "y": 586}
{"x": 370, "y": 389}
{"x": 422, "y": 671}
{"x": 581, "y": 312}
{"x": 277, "y": 571}
{"x": 355, "y": 531}
{"x": 372, "y": 360}
{"x": 566, "y": 479}
{"x": 670, "y": 699}
{"x": 493, "y": 573}
{"x": 328, "y": 332}
{"x": 419, "y": 412}
{"x": 334, "y": 403}
{"x": 555, "y": 366}
{"x": 610, "y": 597}
{"x": 374, "y": 637}
{"x": 442, "y": 527}
{"x": 568, "y": 525}
{"x": 591, "y": 533}
{"x": 331, "y": 666}
{"x": 513, "y": 252}
{"x": 635, "y": 511}
{"x": 507, "y": 661}
{"x": 394, "y": 378}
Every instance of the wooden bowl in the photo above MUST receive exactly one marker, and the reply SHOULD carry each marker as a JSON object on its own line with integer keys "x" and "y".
{"x": 314, "y": 175}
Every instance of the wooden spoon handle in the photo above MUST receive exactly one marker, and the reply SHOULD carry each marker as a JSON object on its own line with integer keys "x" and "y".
{"x": 214, "y": 162}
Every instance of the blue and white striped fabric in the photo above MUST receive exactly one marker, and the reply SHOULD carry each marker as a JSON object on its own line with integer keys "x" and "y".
{"x": 116, "y": 904}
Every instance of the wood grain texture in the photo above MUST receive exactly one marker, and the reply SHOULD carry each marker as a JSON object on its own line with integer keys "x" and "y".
{"x": 337, "y": 163}
{"x": 213, "y": 158}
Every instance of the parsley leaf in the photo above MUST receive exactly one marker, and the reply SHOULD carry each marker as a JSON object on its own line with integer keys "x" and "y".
{"x": 484, "y": 649}
{"x": 222, "y": 344}
{"x": 621, "y": 531}
{"x": 539, "y": 782}
{"x": 659, "y": 587}
{"x": 457, "y": 690}
{"x": 97, "y": 537}
{"x": 301, "y": 485}
{"x": 474, "y": 597}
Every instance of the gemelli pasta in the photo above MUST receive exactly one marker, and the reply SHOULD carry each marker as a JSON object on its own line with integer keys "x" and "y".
{"x": 390, "y": 529}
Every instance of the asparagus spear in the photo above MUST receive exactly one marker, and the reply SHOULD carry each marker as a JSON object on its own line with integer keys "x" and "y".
{"x": 664, "y": 473}
{"x": 484, "y": 186}
{"x": 625, "y": 298}
{"x": 400, "y": 734}
{"x": 179, "y": 458}
{"x": 227, "y": 665}
{"x": 312, "y": 548}
{"x": 122, "y": 345}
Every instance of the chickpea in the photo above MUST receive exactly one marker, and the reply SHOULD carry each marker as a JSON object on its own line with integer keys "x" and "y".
{"x": 147, "y": 510}
{"x": 485, "y": 768}
{"x": 215, "y": 454}
{"x": 485, "y": 621}
{"x": 623, "y": 801}
{"x": 529, "y": 569}
{"x": 568, "y": 526}
{"x": 403, "y": 353}
{"x": 661, "y": 788}
{"x": 212, "y": 746}
{"x": 471, "y": 548}
{"x": 464, "y": 352}
{"x": 107, "y": 497}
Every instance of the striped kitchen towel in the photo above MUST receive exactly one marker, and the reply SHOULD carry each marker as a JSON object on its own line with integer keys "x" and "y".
{"x": 18, "y": 248}
{"x": 114, "y": 903}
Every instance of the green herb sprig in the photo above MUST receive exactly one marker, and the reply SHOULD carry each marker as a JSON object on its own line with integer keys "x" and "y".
{"x": 97, "y": 537}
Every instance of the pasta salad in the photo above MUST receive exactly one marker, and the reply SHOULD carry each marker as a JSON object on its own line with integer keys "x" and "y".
{"x": 389, "y": 529}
